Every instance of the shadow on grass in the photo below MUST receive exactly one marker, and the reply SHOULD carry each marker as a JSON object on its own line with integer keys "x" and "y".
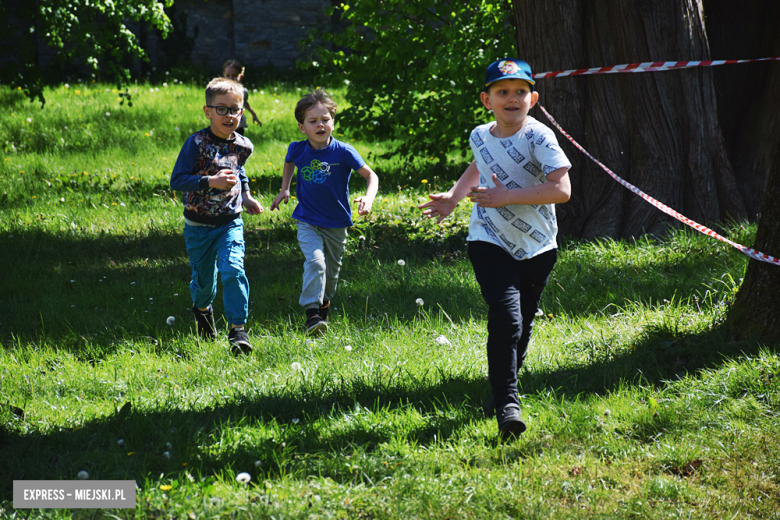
{"x": 313, "y": 429}
{"x": 76, "y": 292}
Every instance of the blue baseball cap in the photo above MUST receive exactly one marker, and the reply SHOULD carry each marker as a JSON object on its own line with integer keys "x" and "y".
{"x": 509, "y": 68}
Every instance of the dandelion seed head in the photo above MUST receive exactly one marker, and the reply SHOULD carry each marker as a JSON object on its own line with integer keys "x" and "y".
{"x": 244, "y": 477}
{"x": 171, "y": 320}
{"x": 167, "y": 454}
{"x": 442, "y": 340}
{"x": 120, "y": 442}
{"x": 258, "y": 463}
{"x": 401, "y": 263}
{"x": 82, "y": 475}
{"x": 295, "y": 420}
{"x": 419, "y": 301}
{"x": 296, "y": 366}
{"x": 348, "y": 348}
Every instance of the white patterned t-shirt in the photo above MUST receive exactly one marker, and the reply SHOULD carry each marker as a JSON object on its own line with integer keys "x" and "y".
{"x": 519, "y": 161}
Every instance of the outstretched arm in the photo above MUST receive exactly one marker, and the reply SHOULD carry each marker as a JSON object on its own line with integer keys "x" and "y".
{"x": 284, "y": 194}
{"x": 255, "y": 120}
{"x": 372, "y": 186}
{"x": 442, "y": 204}
{"x": 556, "y": 190}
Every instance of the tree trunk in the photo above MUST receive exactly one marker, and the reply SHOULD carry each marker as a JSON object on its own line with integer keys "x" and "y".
{"x": 756, "y": 310}
{"x": 659, "y": 131}
{"x": 704, "y": 141}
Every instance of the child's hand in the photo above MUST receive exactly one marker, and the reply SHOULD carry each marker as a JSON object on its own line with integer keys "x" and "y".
{"x": 364, "y": 205}
{"x": 283, "y": 196}
{"x": 440, "y": 205}
{"x": 223, "y": 180}
{"x": 490, "y": 197}
{"x": 250, "y": 203}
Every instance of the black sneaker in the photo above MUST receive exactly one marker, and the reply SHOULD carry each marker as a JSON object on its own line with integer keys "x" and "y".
{"x": 205, "y": 321}
{"x": 239, "y": 342}
{"x": 324, "y": 310}
{"x": 315, "y": 325}
{"x": 509, "y": 422}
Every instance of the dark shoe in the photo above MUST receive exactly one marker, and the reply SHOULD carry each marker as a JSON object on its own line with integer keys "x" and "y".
{"x": 324, "y": 310}
{"x": 205, "y": 321}
{"x": 315, "y": 325}
{"x": 239, "y": 342}
{"x": 509, "y": 422}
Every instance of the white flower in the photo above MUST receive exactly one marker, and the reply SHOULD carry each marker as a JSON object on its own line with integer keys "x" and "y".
{"x": 244, "y": 477}
{"x": 296, "y": 366}
{"x": 442, "y": 340}
{"x": 295, "y": 420}
{"x": 83, "y": 475}
{"x": 171, "y": 320}
{"x": 165, "y": 84}
{"x": 108, "y": 114}
{"x": 401, "y": 263}
{"x": 348, "y": 348}
{"x": 67, "y": 86}
{"x": 258, "y": 463}
{"x": 419, "y": 301}
{"x": 276, "y": 101}
{"x": 262, "y": 92}
{"x": 29, "y": 119}
{"x": 167, "y": 454}
{"x": 120, "y": 442}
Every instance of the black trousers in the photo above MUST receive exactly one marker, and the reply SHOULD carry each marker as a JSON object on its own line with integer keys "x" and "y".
{"x": 512, "y": 289}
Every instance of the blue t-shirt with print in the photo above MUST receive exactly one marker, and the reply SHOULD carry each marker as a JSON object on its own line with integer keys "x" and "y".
{"x": 322, "y": 186}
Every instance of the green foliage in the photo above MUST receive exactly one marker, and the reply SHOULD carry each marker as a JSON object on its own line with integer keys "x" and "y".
{"x": 638, "y": 405}
{"x": 91, "y": 33}
{"x": 414, "y": 70}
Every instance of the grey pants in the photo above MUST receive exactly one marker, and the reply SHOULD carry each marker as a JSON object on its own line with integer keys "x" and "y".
{"x": 322, "y": 249}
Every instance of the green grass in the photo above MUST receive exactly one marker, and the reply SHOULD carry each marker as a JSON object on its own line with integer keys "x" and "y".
{"x": 639, "y": 405}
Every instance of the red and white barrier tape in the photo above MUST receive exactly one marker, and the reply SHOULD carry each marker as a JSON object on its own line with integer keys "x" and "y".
{"x": 648, "y": 66}
{"x": 752, "y": 253}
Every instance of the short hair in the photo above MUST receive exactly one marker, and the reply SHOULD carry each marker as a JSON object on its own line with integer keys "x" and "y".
{"x": 220, "y": 86}
{"x": 232, "y": 62}
{"x": 311, "y": 99}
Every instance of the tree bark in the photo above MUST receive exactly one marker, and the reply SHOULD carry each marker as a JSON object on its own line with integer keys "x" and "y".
{"x": 704, "y": 141}
{"x": 756, "y": 311}
{"x": 659, "y": 131}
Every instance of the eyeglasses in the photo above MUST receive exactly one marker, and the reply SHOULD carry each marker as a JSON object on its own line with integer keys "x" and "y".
{"x": 222, "y": 111}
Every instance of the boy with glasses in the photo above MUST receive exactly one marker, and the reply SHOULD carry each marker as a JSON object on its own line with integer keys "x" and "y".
{"x": 210, "y": 173}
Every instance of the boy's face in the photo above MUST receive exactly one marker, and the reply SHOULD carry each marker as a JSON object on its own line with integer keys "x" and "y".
{"x": 318, "y": 126}
{"x": 223, "y": 126}
{"x": 510, "y": 100}
{"x": 233, "y": 73}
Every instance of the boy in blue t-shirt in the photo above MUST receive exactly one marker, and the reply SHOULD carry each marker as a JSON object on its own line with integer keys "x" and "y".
{"x": 518, "y": 175}
{"x": 323, "y": 212}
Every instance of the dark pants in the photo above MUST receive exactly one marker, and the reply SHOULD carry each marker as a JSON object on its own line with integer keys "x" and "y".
{"x": 512, "y": 289}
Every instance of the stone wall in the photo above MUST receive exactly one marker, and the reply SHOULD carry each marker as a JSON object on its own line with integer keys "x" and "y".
{"x": 257, "y": 32}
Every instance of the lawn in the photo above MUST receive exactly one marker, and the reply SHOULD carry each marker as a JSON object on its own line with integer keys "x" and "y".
{"x": 639, "y": 404}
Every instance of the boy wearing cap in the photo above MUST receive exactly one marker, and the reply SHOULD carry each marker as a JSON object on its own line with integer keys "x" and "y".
{"x": 518, "y": 175}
